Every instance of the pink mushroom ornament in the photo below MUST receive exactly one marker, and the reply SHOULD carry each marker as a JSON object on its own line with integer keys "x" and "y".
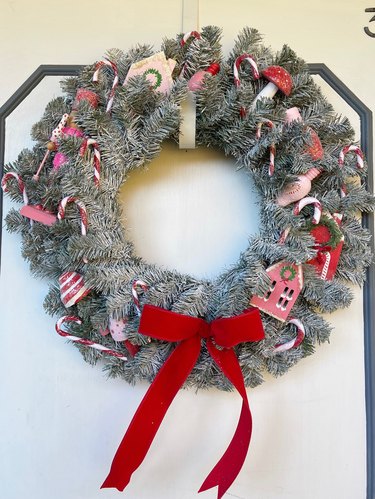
{"x": 278, "y": 79}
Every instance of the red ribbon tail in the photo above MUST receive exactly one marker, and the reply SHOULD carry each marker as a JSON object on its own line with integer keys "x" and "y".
{"x": 226, "y": 470}
{"x": 150, "y": 413}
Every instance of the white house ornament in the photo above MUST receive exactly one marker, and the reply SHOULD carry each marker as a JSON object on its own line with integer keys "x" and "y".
{"x": 175, "y": 327}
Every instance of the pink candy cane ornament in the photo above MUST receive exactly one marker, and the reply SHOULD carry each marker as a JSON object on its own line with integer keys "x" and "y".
{"x": 35, "y": 213}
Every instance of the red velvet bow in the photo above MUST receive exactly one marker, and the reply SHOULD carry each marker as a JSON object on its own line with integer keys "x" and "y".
{"x": 164, "y": 325}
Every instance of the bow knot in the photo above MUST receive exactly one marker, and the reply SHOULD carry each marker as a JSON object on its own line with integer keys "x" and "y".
{"x": 204, "y": 330}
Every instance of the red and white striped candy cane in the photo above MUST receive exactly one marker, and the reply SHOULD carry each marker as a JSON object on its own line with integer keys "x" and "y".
{"x": 98, "y": 67}
{"x": 21, "y": 185}
{"x": 184, "y": 40}
{"x": 282, "y": 347}
{"x": 272, "y": 148}
{"x": 56, "y": 133}
{"x": 306, "y": 201}
{"x": 138, "y": 283}
{"x": 236, "y": 67}
{"x": 360, "y": 162}
{"x": 284, "y": 235}
{"x": 351, "y": 148}
{"x": 190, "y": 34}
{"x": 237, "y": 64}
{"x": 82, "y": 211}
{"x": 95, "y": 146}
{"x": 83, "y": 341}
{"x": 297, "y": 210}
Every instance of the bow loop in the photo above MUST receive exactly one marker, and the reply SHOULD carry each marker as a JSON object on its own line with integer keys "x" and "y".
{"x": 230, "y": 331}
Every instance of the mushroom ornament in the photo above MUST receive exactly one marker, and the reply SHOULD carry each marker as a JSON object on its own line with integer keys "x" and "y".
{"x": 278, "y": 79}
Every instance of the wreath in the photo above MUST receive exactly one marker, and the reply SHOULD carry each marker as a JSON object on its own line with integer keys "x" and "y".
{"x": 261, "y": 314}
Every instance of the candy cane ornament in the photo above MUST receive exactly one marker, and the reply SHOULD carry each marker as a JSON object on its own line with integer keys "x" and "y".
{"x": 272, "y": 147}
{"x": 190, "y": 34}
{"x": 306, "y": 201}
{"x": 21, "y": 187}
{"x": 351, "y": 148}
{"x": 360, "y": 162}
{"x": 83, "y": 341}
{"x": 98, "y": 67}
{"x": 138, "y": 283}
{"x": 82, "y": 211}
{"x": 237, "y": 64}
{"x": 236, "y": 67}
{"x": 20, "y": 182}
{"x": 51, "y": 146}
{"x": 297, "y": 210}
{"x": 295, "y": 342}
{"x": 97, "y": 158}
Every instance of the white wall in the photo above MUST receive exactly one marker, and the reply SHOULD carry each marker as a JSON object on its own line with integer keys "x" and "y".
{"x": 62, "y": 420}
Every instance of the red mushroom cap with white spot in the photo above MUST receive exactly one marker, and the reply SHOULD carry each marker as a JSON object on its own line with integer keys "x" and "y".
{"x": 279, "y": 77}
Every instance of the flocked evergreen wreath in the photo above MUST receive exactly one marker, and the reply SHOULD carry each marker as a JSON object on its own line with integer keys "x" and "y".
{"x": 110, "y": 129}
